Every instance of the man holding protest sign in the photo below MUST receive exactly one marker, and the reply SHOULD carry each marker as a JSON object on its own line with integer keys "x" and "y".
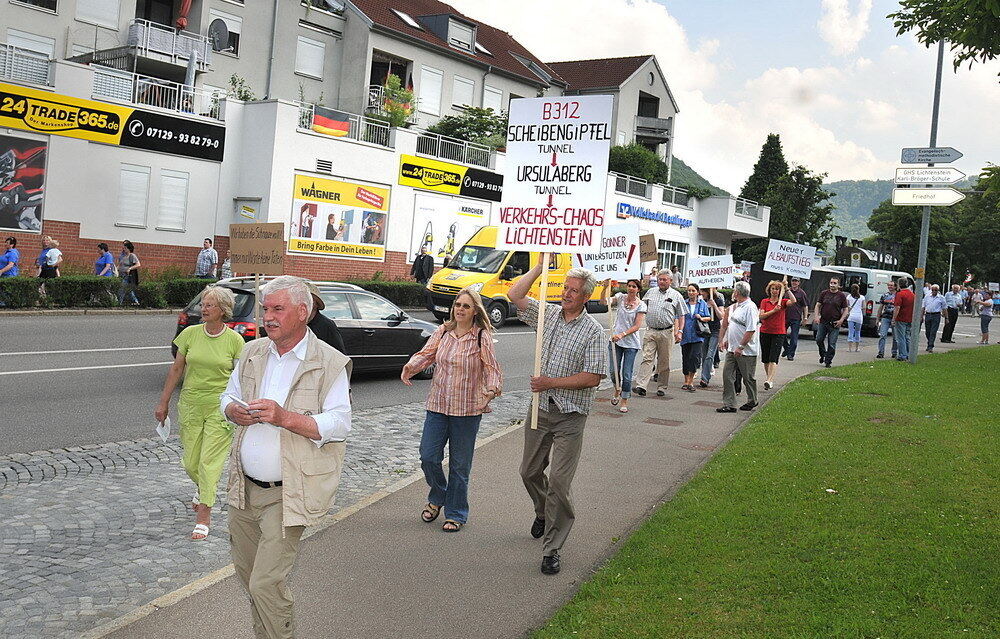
{"x": 573, "y": 362}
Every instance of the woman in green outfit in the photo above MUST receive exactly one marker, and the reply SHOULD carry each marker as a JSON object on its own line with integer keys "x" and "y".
{"x": 205, "y": 358}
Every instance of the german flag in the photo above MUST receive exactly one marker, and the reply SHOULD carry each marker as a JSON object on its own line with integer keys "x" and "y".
{"x": 331, "y": 122}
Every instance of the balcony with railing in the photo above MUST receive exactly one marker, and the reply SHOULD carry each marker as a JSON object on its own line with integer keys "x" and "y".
{"x": 628, "y": 185}
{"x": 122, "y": 86}
{"x": 650, "y": 127}
{"x": 744, "y": 218}
{"x": 360, "y": 128}
{"x": 150, "y": 39}
{"x": 446, "y": 148}
{"x": 21, "y": 65}
{"x": 676, "y": 196}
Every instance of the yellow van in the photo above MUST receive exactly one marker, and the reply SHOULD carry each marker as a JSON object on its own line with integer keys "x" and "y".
{"x": 492, "y": 272}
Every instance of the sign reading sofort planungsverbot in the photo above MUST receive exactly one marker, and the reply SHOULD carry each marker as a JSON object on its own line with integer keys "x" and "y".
{"x": 555, "y": 182}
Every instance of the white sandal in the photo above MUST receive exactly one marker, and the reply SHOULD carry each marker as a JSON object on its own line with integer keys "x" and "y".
{"x": 199, "y": 529}
{"x": 623, "y": 409}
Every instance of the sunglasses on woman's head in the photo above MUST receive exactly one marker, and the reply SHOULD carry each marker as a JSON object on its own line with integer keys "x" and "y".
{"x": 462, "y": 305}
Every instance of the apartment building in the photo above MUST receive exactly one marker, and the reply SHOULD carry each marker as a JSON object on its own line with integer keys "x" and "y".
{"x": 645, "y": 110}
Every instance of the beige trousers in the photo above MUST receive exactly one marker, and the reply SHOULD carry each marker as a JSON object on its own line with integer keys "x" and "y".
{"x": 656, "y": 344}
{"x": 263, "y": 558}
{"x": 555, "y": 444}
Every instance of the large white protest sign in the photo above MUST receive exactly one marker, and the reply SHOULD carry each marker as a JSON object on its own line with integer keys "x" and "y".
{"x": 556, "y": 174}
{"x": 708, "y": 271}
{"x": 789, "y": 258}
{"x": 618, "y": 258}
{"x": 994, "y": 286}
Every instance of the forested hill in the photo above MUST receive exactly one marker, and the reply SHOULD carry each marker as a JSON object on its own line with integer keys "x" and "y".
{"x": 683, "y": 175}
{"x": 854, "y": 201}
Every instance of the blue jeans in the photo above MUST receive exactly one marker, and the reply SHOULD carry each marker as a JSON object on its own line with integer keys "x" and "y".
{"x": 826, "y": 340}
{"x": 791, "y": 343}
{"x": 460, "y": 435}
{"x": 623, "y": 361}
{"x": 933, "y": 321}
{"x": 883, "y": 333}
{"x": 854, "y": 332}
{"x": 127, "y": 290}
{"x": 709, "y": 351}
{"x": 901, "y": 331}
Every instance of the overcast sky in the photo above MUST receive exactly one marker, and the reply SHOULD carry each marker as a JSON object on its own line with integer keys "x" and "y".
{"x": 829, "y": 75}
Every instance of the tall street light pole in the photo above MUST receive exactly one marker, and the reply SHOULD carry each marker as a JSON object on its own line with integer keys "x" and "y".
{"x": 951, "y": 254}
{"x": 925, "y": 222}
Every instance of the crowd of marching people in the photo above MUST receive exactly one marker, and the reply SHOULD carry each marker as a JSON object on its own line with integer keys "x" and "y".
{"x": 279, "y": 410}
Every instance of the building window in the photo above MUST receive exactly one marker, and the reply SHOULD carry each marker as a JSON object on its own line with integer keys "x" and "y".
{"x": 492, "y": 98}
{"x": 461, "y": 36}
{"x": 173, "y": 200}
{"x": 481, "y": 49}
{"x": 49, "y": 5}
{"x": 309, "y": 57}
{"x": 133, "y": 195}
{"x": 670, "y": 254}
{"x": 711, "y": 251}
{"x": 430, "y": 90}
{"x": 408, "y": 19}
{"x": 463, "y": 92}
{"x": 622, "y": 138}
{"x": 102, "y": 12}
{"x": 234, "y": 24}
{"x": 31, "y": 42}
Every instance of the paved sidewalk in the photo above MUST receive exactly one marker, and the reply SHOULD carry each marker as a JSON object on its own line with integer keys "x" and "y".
{"x": 380, "y": 572}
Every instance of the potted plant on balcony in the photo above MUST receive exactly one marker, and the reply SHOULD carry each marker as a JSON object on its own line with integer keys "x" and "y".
{"x": 398, "y": 103}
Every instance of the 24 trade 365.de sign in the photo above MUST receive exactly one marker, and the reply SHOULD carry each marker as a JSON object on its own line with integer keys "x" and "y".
{"x": 556, "y": 175}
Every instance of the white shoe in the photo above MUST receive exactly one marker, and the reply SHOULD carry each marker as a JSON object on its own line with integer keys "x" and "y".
{"x": 767, "y": 385}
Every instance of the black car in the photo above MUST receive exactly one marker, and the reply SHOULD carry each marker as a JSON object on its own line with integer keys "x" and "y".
{"x": 378, "y": 335}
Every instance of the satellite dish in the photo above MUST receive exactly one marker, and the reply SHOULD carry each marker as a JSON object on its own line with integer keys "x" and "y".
{"x": 218, "y": 33}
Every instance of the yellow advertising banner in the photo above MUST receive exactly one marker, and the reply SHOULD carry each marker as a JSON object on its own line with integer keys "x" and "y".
{"x": 55, "y": 114}
{"x": 445, "y": 177}
{"x": 338, "y": 219}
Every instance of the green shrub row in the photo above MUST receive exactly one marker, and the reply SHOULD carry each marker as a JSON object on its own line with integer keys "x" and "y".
{"x": 90, "y": 291}
{"x": 406, "y": 294}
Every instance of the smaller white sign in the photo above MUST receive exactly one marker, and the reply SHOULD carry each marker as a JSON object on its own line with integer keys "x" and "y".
{"x": 928, "y": 175}
{"x": 926, "y": 197}
{"x": 745, "y": 266}
{"x": 619, "y": 256}
{"x": 789, "y": 258}
{"x": 706, "y": 272}
{"x": 995, "y": 286}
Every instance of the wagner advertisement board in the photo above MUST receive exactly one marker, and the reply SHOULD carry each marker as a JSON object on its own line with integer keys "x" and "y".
{"x": 22, "y": 183}
{"x": 455, "y": 179}
{"x": 444, "y": 224}
{"x": 45, "y": 112}
{"x": 338, "y": 219}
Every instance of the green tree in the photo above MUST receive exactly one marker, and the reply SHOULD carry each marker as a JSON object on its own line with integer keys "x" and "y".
{"x": 799, "y": 204}
{"x": 482, "y": 126}
{"x": 771, "y": 166}
{"x": 902, "y": 224}
{"x": 398, "y": 101}
{"x": 971, "y": 26}
{"x": 977, "y": 225}
{"x": 638, "y": 161}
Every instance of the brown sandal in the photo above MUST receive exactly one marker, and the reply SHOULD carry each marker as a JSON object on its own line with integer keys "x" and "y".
{"x": 450, "y": 525}
{"x": 430, "y": 513}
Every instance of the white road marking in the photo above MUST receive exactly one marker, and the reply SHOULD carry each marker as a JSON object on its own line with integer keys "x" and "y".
{"x": 83, "y": 368}
{"x": 89, "y": 350}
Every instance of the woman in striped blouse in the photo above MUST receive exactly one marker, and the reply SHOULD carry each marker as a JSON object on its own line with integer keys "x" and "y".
{"x": 466, "y": 378}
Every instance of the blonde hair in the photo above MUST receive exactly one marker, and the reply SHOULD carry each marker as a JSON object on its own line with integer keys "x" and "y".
{"x": 479, "y": 319}
{"x": 774, "y": 283}
{"x": 54, "y": 243}
{"x": 223, "y": 297}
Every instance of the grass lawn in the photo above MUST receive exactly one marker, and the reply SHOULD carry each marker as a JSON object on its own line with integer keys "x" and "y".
{"x": 860, "y": 508}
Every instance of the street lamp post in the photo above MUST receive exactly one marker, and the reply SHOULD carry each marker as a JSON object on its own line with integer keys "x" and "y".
{"x": 951, "y": 254}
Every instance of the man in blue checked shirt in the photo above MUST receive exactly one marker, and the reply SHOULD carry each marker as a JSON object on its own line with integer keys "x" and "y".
{"x": 953, "y": 301}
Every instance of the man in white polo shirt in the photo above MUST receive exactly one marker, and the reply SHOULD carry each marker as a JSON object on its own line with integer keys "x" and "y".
{"x": 740, "y": 343}
{"x": 289, "y": 397}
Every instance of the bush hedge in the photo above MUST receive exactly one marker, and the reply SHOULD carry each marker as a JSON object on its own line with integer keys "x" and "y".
{"x": 81, "y": 290}
{"x": 401, "y": 293}
{"x": 181, "y": 291}
{"x": 19, "y": 292}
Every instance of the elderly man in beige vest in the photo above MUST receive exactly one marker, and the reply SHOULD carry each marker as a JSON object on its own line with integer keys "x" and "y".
{"x": 289, "y": 398}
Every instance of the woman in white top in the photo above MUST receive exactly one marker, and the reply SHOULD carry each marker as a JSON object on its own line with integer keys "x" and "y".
{"x": 855, "y": 316}
{"x": 629, "y": 317}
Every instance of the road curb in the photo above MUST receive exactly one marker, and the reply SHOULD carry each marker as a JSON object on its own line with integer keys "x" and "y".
{"x": 216, "y": 576}
{"x": 56, "y": 312}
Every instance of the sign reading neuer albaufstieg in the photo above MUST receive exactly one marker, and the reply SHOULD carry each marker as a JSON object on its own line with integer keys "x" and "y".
{"x": 789, "y": 258}
{"x": 556, "y": 174}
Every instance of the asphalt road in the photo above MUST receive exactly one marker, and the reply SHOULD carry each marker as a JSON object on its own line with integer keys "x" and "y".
{"x": 94, "y": 379}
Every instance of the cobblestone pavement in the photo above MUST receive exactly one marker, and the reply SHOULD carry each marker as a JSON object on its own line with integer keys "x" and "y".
{"x": 90, "y": 533}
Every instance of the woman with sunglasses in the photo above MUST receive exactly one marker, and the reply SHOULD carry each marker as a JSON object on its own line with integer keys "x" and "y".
{"x": 466, "y": 378}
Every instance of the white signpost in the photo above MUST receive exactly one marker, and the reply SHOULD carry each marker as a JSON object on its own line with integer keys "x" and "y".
{"x": 555, "y": 184}
{"x": 929, "y": 155}
{"x": 926, "y": 197}
{"x": 707, "y": 272}
{"x": 618, "y": 258}
{"x": 789, "y": 258}
{"x": 928, "y": 175}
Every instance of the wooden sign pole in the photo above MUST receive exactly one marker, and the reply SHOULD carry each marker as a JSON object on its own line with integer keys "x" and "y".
{"x": 617, "y": 381}
{"x": 257, "y": 302}
{"x": 543, "y": 300}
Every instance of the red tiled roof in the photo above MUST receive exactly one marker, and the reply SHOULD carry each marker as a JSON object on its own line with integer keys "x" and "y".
{"x": 598, "y": 74}
{"x": 497, "y": 42}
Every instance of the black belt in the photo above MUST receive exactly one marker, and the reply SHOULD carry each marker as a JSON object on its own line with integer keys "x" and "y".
{"x": 656, "y": 328}
{"x": 933, "y": 312}
{"x": 263, "y": 484}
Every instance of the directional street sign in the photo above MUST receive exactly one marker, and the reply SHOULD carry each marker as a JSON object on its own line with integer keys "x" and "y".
{"x": 926, "y": 197}
{"x": 930, "y": 155}
{"x": 928, "y": 175}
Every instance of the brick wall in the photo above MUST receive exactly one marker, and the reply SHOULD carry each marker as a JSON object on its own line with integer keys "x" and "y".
{"x": 82, "y": 253}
